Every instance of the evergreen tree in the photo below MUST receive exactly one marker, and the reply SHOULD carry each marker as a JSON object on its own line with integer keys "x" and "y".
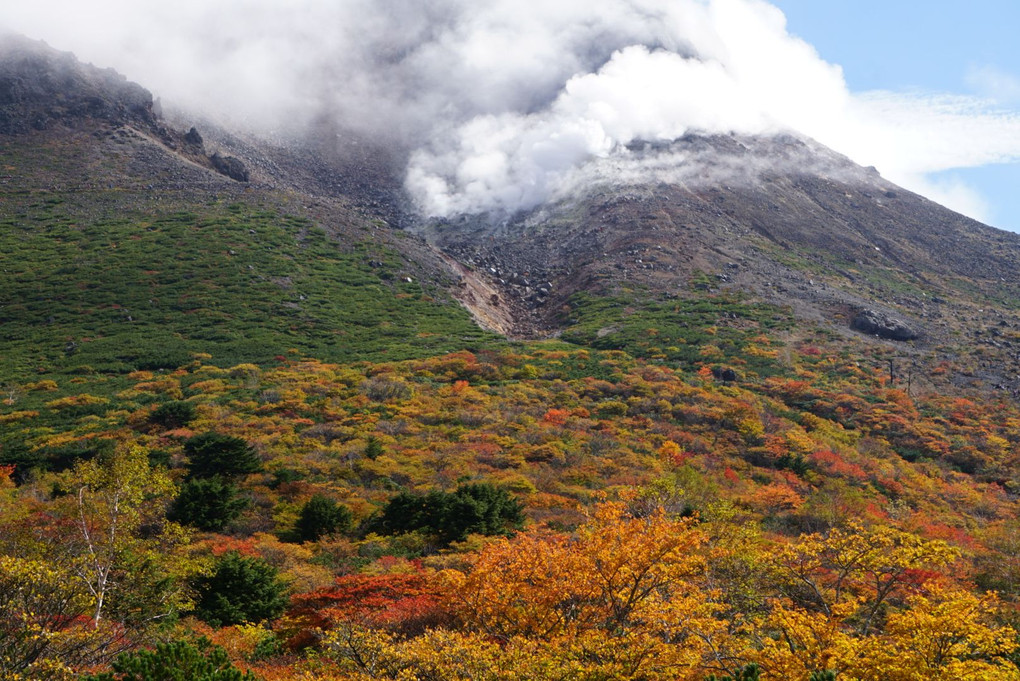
{"x": 322, "y": 516}
{"x": 749, "y": 673}
{"x": 177, "y": 661}
{"x": 822, "y": 676}
{"x": 175, "y": 414}
{"x": 208, "y": 504}
{"x": 239, "y": 590}
{"x": 211, "y": 454}
{"x": 451, "y": 516}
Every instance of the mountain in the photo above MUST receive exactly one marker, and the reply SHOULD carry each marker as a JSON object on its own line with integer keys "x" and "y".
{"x": 774, "y": 391}
{"x": 129, "y": 244}
{"x": 780, "y": 219}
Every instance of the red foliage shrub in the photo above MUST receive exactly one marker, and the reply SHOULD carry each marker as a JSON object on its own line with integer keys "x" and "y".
{"x": 556, "y": 417}
{"x": 404, "y": 603}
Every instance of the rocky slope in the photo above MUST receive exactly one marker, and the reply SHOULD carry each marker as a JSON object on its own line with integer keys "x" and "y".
{"x": 781, "y": 220}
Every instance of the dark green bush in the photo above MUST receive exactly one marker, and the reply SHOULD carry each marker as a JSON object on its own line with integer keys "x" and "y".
{"x": 373, "y": 448}
{"x": 749, "y": 673}
{"x": 177, "y": 661}
{"x": 211, "y": 454}
{"x": 238, "y": 591}
{"x": 451, "y": 516}
{"x": 208, "y": 504}
{"x": 822, "y": 676}
{"x": 173, "y": 414}
{"x": 157, "y": 359}
{"x": 322, "y": 516}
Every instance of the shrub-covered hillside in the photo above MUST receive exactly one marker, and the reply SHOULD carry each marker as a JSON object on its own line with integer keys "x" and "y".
{"x": 112, "y": 280}
{"x": 246, "y": 433}
{"x": 676, "y": 524}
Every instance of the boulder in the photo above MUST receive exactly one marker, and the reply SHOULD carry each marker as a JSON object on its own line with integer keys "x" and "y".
{"x": 194, "y": 138}
{"x": 879, "y": 324}
{"x": 230, "y": 166}
{"x": 726, "y": 375}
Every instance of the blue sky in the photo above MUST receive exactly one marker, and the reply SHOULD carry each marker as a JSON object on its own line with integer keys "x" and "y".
{"x": 939, "y": 46}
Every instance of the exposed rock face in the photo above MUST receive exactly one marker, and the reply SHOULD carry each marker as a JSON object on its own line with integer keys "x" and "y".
{"x": 194, "y": 138}
{"x": 41, "y": 87}
{"x": 779, "y": 219}
{"x": 877, "y": 324}
{"x": 230, "y": 166}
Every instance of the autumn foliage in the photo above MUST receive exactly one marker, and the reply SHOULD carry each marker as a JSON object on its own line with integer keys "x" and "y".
{"x": 557, "y": 514}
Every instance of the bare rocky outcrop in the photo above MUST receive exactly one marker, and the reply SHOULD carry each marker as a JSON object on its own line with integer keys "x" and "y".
{"x": 194, "y": 139}
{"x": 230, "y": 166}
{"x": 41, "y": 87}
{"x": 885, "y": 326}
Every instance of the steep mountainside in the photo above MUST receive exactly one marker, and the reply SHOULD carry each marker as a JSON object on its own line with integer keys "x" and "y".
{"x": 779, "y": 219}
{"x": 125, "y": 246}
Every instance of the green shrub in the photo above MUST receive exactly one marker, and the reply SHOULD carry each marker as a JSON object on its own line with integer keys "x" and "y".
{"x": 749, "y": 673}
{"x": 208, "y": 504}
{"x": 373, "y": 448}
{"x": 211, "y": 454}
{"x": 173, "y": 414}
{"x": 238, "y": 591}
{"x": 451, "y": 516}
{"x": 322, "y": 516}
{"x": 177, "y": 661}
{"x": 158, "y": 359}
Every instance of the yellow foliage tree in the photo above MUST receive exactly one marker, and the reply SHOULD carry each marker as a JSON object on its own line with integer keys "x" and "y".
{"x": 945, "y": 634}
{"x": 43, "y": 621}
{"x": 855, "y": 565}
{"x": 620, "y": 598}
{"x": 112, "y": 498}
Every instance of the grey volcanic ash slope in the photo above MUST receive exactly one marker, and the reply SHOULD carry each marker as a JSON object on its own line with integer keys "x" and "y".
{"x": 780, "y": 218}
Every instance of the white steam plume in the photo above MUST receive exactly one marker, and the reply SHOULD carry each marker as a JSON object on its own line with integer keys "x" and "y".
{"x": 497, "y": 103}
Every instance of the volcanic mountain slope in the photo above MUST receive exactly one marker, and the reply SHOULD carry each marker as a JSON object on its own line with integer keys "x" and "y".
{"x": 778, "y": 368}
{"x": 127, "y": 242}
{"x": 778, "y": 219}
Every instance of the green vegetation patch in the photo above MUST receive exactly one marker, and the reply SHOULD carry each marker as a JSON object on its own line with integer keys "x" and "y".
{"x": 707, "y": 330}
{"x": 90, "y": 286}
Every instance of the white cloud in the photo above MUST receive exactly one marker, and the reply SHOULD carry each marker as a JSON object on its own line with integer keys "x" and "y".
{"x": 497, "y": 104}
{"x": 953, "y": 193}
{"x": 995, "y": 84}
{"x": 911, "y": 137}
{"x": 932, "y": 133}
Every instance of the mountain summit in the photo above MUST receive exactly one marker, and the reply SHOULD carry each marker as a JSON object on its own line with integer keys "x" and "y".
{"x": 779, "y": 218}
{"x": 41, "y": 88}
